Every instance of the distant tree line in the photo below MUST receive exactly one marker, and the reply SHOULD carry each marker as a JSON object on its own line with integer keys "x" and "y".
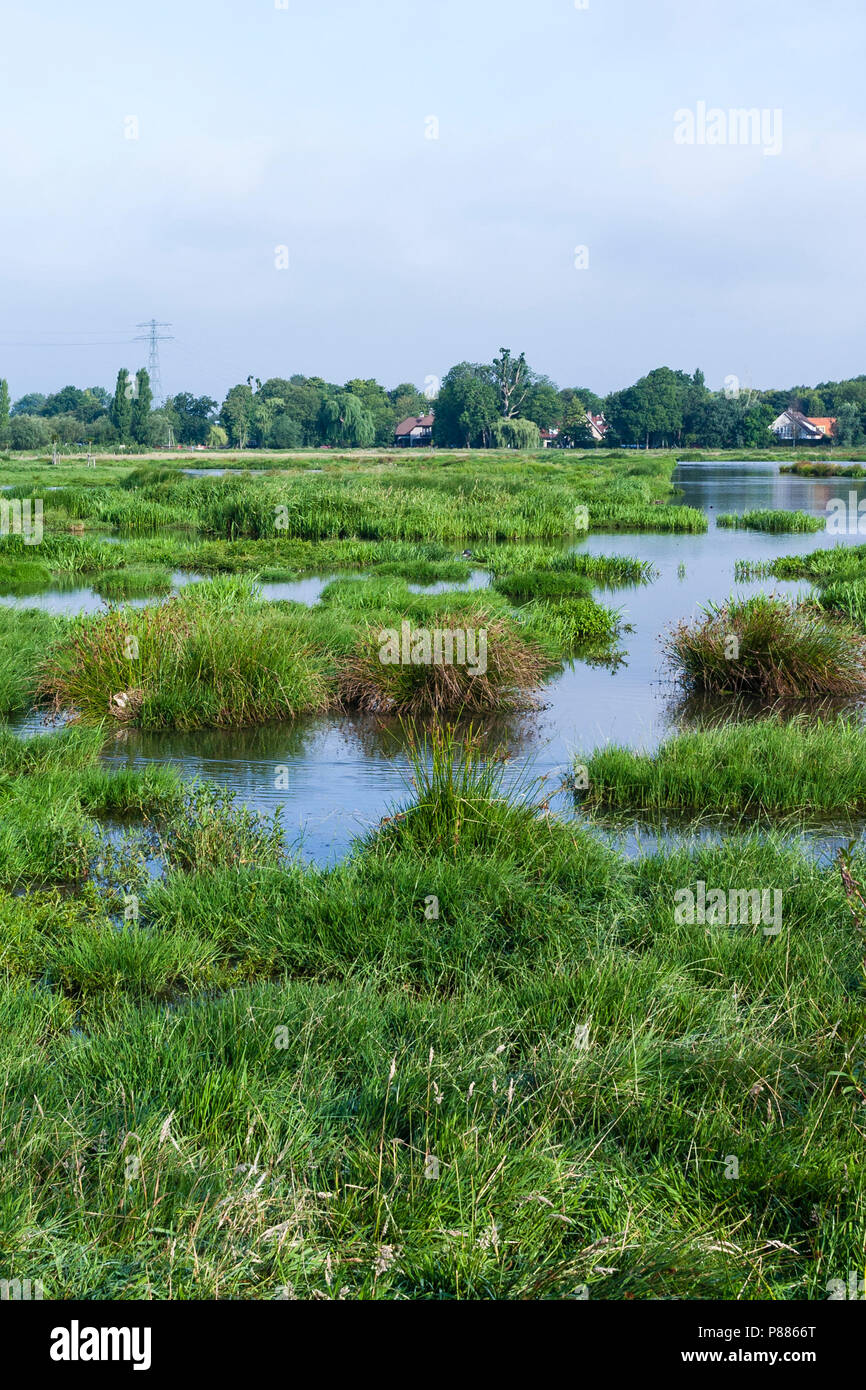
{"x": 501, "y": 404}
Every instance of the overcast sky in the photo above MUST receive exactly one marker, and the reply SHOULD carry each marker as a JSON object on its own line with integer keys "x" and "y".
{"x": 307, "y": 127}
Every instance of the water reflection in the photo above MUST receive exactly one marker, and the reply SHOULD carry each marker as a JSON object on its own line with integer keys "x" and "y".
{"x": 335, "y": 776}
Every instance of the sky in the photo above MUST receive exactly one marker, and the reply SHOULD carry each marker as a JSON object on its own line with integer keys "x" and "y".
{"x": 428, "y": 172}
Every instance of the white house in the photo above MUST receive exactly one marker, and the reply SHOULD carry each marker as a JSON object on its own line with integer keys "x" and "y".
{"x": 810, "y": 429}
{"x": 415, "y": 429}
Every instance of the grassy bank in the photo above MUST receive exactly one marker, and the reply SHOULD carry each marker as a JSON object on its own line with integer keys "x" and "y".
{"x": 481, "y": 1059}
{"x": 456, "y": 498}
{"x": 774, "y": 522}
{"x": 770, "y": 647}
{"x": 763, "y": 765}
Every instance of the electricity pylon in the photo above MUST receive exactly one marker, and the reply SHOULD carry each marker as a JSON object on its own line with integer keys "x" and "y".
{"x": 154, "y": 338}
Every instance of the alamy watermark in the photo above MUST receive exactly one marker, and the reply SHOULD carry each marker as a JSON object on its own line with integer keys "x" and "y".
{"x": 421, "y": 646}
{"x": 846, "y": 517}
{"x": 854, "y": 1287}
{"x": 738, "y": 126}
{"x": 21, "y": 1290}
{"x": 739, "y": 907}
{"x": 22, "y": 517}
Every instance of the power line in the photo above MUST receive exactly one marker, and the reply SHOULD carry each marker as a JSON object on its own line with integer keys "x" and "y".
{"x": 154, "y": 338}
{"x": 115, "y": 342}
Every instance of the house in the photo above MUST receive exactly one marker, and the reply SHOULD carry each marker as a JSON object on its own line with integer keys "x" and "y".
{"x": 415, "y": 429}
{"x": 810, "y": 429}
{"x": 596, "y": 424}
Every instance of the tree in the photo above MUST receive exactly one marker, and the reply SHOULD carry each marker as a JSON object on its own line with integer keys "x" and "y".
{"x": 574, "y": 431}
{"x": 650, "y": 412}
{"x": 217, "y": 437}
{"x": 31, "y": 404}
{"x": 512, "y": 380}
{"x": 190, "y": 417}
{"x": 542, "y": 404}
{"x": 300, "y": 398}
{"x": 141, "y": 404}
{"x": 849, "y": 426}
{"x": 588, "y": 399}
{"x": 721, "y": 422}
{"x": 68, "y": 401}
{"x": 101, "y": 430}
{"x": 28, "y": 431}
{"x": 4, "y": 413}
{"x": 237, "y": 414}
{"x": 465, "y": 407}
{"x": 66, "y": 428}
{"x": 514, "y": 434}
{"x": 285, "y": 433}
{"x": 121, "y": 410}
{"x": 344, "y": 421}
{"x": 756, "y": 426}
{"x": 375, "y": 401}
{"x": 407, "y": 400}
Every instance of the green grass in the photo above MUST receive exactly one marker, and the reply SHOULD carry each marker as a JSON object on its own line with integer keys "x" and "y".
{"x": 747, "y": 571}
{"x": 774, "y": 521}
{"x": 25, "y": 636}
{"x": 220, "y": 656}
{"x": 19, "y": 577}
{"x": 133, "y": 583}
{"x": 450, "y": 498}
{"x": 762, "y": 765}
{"x": 624, "y": 516}
{"x": 212, "y": 658}
{"x": 846, "y": 596}
{"x": 484, "y": 662}
{"x": 479, "y": 1060}
{"x": 51, "y": 788}
{"x": 767, "y": 646}
{"x": 822, "y": 566}
{"x": 572, "y": 626}
{"x": 822, "y": 468}
{"x": 527, "y": 585}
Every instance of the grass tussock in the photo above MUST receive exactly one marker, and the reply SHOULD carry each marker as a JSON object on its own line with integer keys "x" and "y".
{"x": 772, "y": 521}
{"x": 767, "y": 646}
{"x": 25, "y": 637}
{"x": 551, "y": 585}
{"x": 133, "y": 583}
{"x": 212, "y": 658}
{"x": 470, "y": 661}
{"x": 763, "y": 765}
{"x": 845, "y": 596}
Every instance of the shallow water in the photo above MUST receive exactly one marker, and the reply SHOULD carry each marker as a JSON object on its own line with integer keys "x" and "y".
{"x": 72, "y": 599}
{"x": 334, "y": 777}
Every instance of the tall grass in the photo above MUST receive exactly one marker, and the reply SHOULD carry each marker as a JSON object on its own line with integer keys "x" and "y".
{"x": 481, "y": 1059}
{"x": 846, "y": 596}
{"x": 764, "y": 645}
{"x": 626, "y": 516}
{"x": 774, "y": 521}
{"x": 212, "y": 658}
{"x": 766, "y": 765}
{"x": 488, "y": 664}
{"x": 25, "y": 637}
{"x": 552, "y": 585}
{"x": 133, "y": 583}
{"x": 571, "y": 626}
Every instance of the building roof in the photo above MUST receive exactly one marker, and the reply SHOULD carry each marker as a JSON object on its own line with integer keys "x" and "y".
{"x": 823, "y": 422}
{"x": 413, "y": 422}
{"x": 796, "y": 417}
